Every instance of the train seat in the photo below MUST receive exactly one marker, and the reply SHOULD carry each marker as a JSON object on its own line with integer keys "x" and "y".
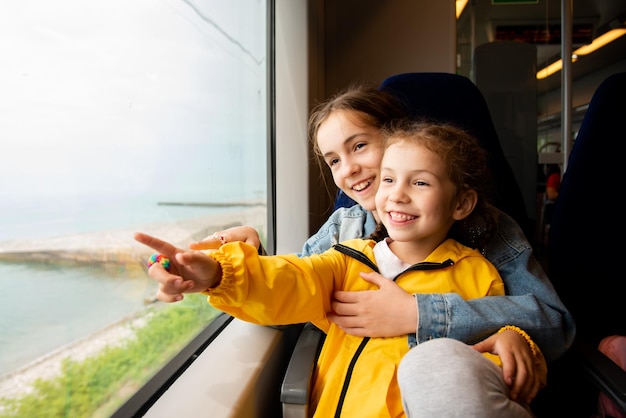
{"x": 441, "y": 97}
{"x": 583, "y": 255}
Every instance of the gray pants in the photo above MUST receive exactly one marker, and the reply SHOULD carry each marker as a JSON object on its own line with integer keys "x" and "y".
{"x": 447, "y": 378}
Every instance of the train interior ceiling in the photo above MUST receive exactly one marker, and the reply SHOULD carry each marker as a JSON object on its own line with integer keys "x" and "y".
{"x": 531, "y": 38}
{"x": 538, "y": 23}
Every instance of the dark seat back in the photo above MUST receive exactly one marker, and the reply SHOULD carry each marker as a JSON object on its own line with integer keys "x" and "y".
{"x": 452, "y": 98}
{"x": 588, "y": 222}
{"x": 584, "y": 257}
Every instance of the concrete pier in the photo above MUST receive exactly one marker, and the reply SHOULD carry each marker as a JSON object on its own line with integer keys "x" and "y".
{"x": 118, "y": 246}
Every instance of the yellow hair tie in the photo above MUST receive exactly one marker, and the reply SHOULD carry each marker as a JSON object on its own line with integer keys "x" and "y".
{"x": 529, "y": 341}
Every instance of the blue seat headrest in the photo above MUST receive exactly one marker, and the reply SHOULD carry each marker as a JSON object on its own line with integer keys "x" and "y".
{"x": 452, "y": 98}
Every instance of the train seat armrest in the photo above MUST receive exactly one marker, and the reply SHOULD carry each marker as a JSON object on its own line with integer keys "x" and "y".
{"x": 294, "y": 393}
{"x": 605, "y": 374}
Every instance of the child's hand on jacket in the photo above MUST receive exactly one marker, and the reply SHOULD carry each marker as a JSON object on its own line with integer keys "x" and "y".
{"x": 524, "y": 372}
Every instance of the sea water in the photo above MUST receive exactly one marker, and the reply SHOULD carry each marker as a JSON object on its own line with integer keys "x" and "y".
{"x": 45, "y": 306}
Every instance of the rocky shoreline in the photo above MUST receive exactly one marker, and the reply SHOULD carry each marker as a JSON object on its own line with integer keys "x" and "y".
{"x": 111, "y": 246}
{"x": 20, "y": 381}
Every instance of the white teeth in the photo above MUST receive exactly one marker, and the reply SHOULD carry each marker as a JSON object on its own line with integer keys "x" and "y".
{"x": 361, "y": 186}
{"x": 401, "y": 216}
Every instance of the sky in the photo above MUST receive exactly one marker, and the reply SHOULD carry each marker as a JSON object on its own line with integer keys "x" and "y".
{"x": 122, "y": 96}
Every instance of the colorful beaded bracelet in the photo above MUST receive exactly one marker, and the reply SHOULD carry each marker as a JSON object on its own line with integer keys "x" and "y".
{"x": 160, "y": 259}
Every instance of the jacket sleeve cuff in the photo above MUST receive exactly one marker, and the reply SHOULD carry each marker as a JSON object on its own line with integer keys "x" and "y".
{"x": 432, "y": 318}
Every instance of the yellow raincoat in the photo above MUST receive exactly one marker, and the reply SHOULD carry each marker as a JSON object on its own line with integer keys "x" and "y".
{"x": 354, "y": 374}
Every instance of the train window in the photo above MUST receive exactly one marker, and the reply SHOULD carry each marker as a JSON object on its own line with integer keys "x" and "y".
{"x": 117, "y": 116}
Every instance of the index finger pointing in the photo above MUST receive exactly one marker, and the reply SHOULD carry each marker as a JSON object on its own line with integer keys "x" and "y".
{"x": 156, "y": 244}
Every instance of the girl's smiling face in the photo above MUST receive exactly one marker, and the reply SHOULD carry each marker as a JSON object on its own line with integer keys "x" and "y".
{"x": 353, "y": 150}
{"x": 416, "y": 199}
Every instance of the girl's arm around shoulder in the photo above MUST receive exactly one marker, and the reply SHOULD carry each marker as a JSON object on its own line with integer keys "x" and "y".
{"x": 530, "y": 301}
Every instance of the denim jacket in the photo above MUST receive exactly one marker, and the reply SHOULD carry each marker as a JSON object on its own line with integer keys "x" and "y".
{"x": 531, "y": 302}
{"x": 342, "y": 225}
